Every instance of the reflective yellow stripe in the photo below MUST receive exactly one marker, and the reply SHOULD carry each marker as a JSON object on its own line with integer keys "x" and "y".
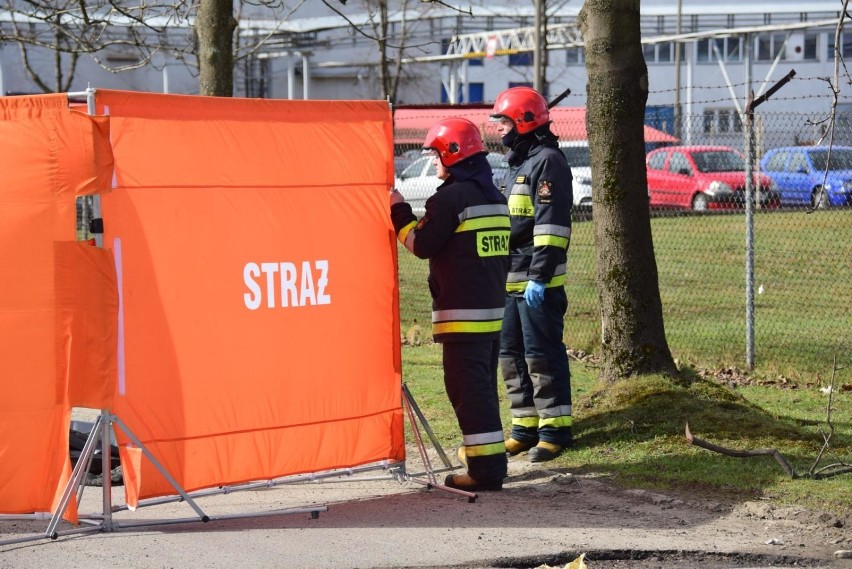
{"x": 554, "y": 240}
{"x": 525, "y": 421}
{"x": 563, "y": 421}
{"x": 403, "y": 233}
{"x": 450, "y": 327}
{"x": 557, "y": 280}
{"x": 521, "y": 205}
{"x": 484, "y": 223}
{"x": 485, "y": 450}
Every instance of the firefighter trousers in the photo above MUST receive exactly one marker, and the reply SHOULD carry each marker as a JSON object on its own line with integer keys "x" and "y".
{"x": 470, "y": 377}
{"x": 534, "y": 366}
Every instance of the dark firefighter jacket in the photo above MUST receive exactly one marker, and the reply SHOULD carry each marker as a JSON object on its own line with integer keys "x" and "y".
{"x": 540, "y": 199}
{"x": 466, "y": 239}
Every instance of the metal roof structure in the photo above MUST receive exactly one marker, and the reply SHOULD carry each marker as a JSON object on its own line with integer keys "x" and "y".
{"x": 562, "y": 36}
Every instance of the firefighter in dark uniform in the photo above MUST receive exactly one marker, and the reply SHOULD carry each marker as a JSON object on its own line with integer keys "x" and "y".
{"x": 465, "y": 235}
{"x": 533, "y": 358}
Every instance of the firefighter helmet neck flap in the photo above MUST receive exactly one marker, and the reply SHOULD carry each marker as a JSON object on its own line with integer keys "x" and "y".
{"x": 524, "y": 106}
{"x": 453, "y": 140}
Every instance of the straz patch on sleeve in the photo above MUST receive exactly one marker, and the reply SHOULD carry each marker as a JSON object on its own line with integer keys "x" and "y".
{"x": 492, "y": 243}
{"x": 544, "y": 191}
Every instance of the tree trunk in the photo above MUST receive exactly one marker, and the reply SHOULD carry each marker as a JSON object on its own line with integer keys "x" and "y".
{"x": 633, "y": 337}
{"x": 214, "y": 25}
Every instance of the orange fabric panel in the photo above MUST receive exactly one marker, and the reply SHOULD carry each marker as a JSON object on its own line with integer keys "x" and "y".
{"x": 257, "y": 262}
{"x": 131, "y": 474}
{"x": 87, "y": 323}
{"x": 49, "y": 155}
{"x": 189, "y": 149}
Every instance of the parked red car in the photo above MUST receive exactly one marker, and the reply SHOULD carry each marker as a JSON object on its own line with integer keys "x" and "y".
{"x": 704, "y": 177}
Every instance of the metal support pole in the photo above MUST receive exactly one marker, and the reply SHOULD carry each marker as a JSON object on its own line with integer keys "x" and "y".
{"x": 749, "y": 221}
{"x": 749, "y": 209}
{"x": 95, "y": 212}
{"x": 106, "y": 470}
{"x": 306, "y": 77}
{"x": 453, "y": 91}
{"x": 291, "y": 78}
{"x": 678, "y": 47}
{"x": 538, "y": 52}
{"x": 750, "y": 194}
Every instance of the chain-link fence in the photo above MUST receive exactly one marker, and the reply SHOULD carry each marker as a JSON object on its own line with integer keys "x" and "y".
{"x": 802, "y": 237}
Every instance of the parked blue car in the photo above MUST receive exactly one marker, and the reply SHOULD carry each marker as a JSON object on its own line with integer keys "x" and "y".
{"x": 800, "y": 172}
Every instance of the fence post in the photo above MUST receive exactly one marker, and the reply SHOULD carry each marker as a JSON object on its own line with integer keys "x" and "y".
{"x": 749, "y": 210}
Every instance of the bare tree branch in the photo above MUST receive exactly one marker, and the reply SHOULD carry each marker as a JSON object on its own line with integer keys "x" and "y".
{"x": 780, "y": 458}
{"x": 120, "y": 35}
{"x": 454, "y": 8}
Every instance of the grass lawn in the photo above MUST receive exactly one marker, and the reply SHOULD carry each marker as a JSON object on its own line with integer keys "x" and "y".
{"x": 803, "y": 317}
{"x": 633, "y": 432}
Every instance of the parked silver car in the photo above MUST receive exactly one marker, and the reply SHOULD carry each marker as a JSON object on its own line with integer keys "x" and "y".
{"x": 420, "y": 179}
{"x": 577, "y": 154}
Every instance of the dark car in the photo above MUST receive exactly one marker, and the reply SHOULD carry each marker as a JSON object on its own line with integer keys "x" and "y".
{"x": 703, "y": 177}
{"x": 805, "y": 175}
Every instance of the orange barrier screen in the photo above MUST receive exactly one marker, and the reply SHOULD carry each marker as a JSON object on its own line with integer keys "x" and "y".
{"x": 51, "y": 332}
{"x": 259, "y": 330}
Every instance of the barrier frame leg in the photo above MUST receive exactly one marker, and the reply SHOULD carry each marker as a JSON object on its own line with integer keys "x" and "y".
{"x": 104, "y": 522}
{"x": 414, "y": 414}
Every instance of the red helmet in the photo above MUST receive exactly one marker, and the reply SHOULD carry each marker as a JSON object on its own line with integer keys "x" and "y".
{"x": 454, "y": 139}
{"x": 524, "y": 106}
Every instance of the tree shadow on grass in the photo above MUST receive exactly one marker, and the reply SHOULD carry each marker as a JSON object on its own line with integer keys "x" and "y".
{"x": 634, "y": 430}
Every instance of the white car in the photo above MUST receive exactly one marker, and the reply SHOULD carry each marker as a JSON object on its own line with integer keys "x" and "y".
{"x": 577, "y": 154}
{"x": 420, "y": 180}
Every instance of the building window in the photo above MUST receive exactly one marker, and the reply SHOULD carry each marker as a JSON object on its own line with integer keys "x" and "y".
{"x": 524, "y": 59}
{"x": 845, "y": 46}
{"x": 728, "y": 48}
{"x": 575, "y": 55}
{"x": 257, "y": 78}
{"x": 722, "y": 121}
{"x": 810, "y": 46}
{"x": 793, "y": 46}
{"x": 475, "y": 92}
{"x": 658, "y": 53}
{"x": 476, "y": 61}
{"x": 709, "y": 120}
{"x": 769, "y": 46}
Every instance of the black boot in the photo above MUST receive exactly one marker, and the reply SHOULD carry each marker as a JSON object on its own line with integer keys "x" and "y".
{"x": 543, "y": 452}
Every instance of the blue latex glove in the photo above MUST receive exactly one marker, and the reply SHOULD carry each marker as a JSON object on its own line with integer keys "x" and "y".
{"x": 534, "y": 294}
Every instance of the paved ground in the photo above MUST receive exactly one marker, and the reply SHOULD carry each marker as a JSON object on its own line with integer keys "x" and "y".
{"x": 542, "y": 517}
